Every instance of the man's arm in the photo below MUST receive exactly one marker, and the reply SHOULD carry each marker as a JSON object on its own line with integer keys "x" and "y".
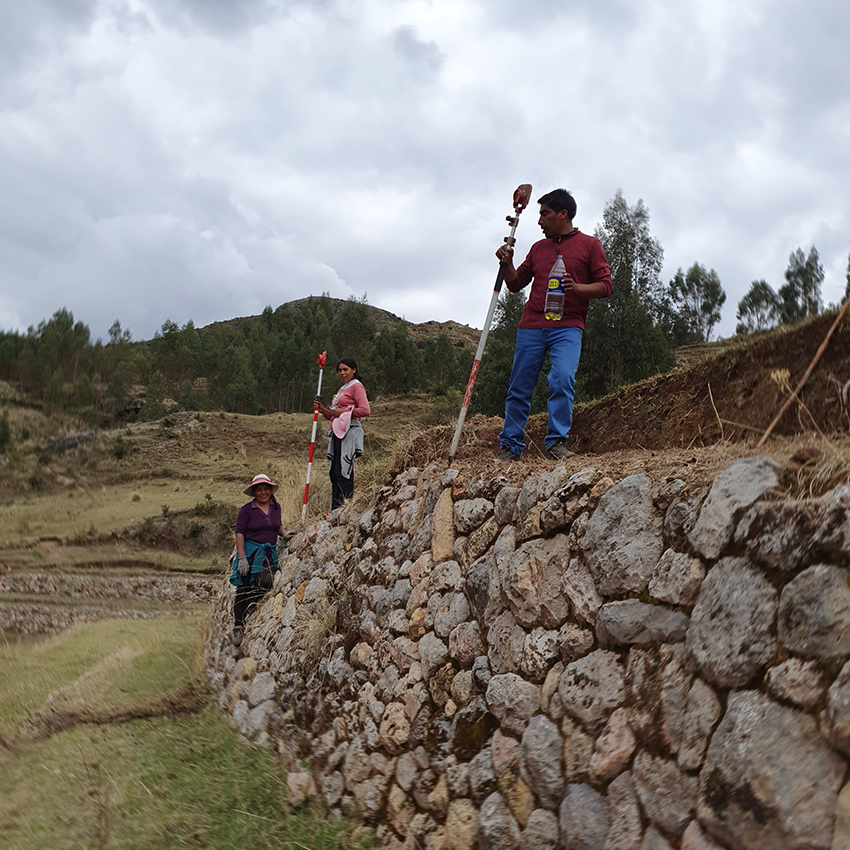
{"x": 601, "y": 285}
{"x": 585, "y": 290}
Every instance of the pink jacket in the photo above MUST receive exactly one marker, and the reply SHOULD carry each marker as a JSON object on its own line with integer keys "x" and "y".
{"x": 352, "y": 393}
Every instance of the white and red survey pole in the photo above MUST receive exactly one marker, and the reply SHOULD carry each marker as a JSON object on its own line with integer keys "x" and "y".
{"x": 322, "y": 358}
{"x": 521, "y": 199}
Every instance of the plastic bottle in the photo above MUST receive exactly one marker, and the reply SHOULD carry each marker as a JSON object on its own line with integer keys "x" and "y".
{"x": 554, "y": 306}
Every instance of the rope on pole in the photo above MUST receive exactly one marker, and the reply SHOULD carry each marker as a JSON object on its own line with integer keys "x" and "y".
{"x": 521, "y": 198}
{"x": 321, "y": 358}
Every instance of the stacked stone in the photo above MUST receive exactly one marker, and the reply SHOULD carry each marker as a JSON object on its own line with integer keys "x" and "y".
{"x": 27, "y": 620}
{"x": 21, "y": 616}
{"x": 575, "y": 663}
{"x": 197, "y": 589}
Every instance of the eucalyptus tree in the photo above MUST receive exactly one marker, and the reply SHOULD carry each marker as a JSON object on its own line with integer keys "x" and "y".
{"x": 800, "y": 297}
{"x": 759, "y": 309}
{"x": 698, "y": 297}
{"x": 624, "y": 339}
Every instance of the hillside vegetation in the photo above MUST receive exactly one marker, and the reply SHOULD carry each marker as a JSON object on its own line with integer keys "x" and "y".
{"x": 153, "y": 502}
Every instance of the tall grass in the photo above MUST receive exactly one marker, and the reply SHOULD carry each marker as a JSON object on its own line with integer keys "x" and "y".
{"x": 164, "y": 781}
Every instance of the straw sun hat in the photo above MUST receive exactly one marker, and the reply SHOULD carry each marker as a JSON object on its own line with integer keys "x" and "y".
{"x": 260, "y": 479}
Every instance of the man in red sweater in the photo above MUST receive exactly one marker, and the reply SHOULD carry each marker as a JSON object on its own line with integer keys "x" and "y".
{"x": 587, "y": 276}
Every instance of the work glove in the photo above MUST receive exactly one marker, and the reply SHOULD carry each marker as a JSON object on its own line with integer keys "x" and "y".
{"x": 243, "y": 567}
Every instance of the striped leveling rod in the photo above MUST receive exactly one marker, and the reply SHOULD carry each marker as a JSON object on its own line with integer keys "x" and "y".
{"x": 521, "y": 198}
{"x": 322, "y": 358}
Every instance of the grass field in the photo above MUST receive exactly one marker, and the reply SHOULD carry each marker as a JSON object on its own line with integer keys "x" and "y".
{"x": 107, "y": 735}
{"x": 112, "y": 483}
{"x": 177, "y": 777}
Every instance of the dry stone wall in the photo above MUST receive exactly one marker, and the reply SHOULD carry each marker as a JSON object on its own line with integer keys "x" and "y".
{"x": 576, "y": 663}
{"x": 44, "y": 603}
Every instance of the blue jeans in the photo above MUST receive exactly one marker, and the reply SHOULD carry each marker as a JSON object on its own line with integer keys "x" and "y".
{"x": 564, "y": 347}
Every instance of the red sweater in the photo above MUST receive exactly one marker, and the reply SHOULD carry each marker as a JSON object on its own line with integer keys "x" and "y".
{"x": 584, "y": 259}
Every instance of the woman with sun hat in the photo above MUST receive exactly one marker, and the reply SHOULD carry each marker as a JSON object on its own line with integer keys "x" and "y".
{"x": 258, "y": 527}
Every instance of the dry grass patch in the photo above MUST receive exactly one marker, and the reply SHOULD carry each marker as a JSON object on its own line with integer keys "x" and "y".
{"x": 95, "y": 775}
{"x": 105, "y": 665}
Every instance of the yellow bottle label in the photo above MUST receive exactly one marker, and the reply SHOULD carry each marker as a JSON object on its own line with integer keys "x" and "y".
{"x": 554, "y": 283}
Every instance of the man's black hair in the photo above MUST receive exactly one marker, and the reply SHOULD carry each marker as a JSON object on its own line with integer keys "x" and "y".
{"x": 559, "y": 199}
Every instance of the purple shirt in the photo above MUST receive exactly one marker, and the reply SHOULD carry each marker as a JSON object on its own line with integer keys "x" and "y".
{"x": 254, "y": 525}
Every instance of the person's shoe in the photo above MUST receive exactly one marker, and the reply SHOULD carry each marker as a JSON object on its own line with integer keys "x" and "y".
{"x": 236, "y": 637}
{"x": 559, "y": 450}
{"x": 507, "y": 454}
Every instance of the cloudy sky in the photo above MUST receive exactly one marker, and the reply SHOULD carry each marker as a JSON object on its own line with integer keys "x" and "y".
{"x": 199, "y": 159}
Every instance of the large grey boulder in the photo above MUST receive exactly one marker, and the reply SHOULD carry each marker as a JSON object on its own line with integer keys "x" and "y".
{"x": 497, "y": 827}
{"x": 797, "y": 681}
{"x": 539, "y": 653}
{"x": 506, "y": 505}
{"x": 483, "y": 589}
{"x": 592, "y": 687}
{"x": 614, "y": 747}
{"x": 580, "y": 589}
{"x": 789, "y": 535}
{"x": 702, "y": 713}
{"x": 814, "y": 613}
{"x": 624, "y": 815}
{"x": 261, "y": 689}
{"x": 541, "y": 831}
{"x": 534, "y": 585}
{"x": 769, "y": 778}
{"x": 450, "y": 610}
{"x": 732, "y": 492}
{"x": 732, "y": 626}
{"x": 433, "y": 654}
{"x": 470, "y": 513}
{"x": 632, "y": 621}
{"x": 540, "y": 760}
{"x": 836, "y": 716}
{"x": 482, "y": 777}
{"x": 622, "y": 543}
{"x": 584, "y": 819}
{"x": 668, "y": 795}
{"x": 506, "y": 642}
{"x": 677, "y": 578}
{"x": 512, "y": 701}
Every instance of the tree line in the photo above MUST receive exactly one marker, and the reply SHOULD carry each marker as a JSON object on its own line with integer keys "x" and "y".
{"x": 253, "y": 365}
{"x": 268, "y": 363}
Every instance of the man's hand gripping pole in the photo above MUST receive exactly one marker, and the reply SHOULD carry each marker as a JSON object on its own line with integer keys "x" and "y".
{"x": 522, "y": 195}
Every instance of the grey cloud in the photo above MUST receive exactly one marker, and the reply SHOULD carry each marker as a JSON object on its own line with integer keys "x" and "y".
{"x": 193, "y": 177}
{"x": 614, "y": 18}
{"x": 423, "y": 56}
{"x": 31, "y": 30}
{"x": 231, "y": 17}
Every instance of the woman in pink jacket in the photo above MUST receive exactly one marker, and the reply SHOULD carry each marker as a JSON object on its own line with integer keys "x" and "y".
{"x": 348, "y": 407}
